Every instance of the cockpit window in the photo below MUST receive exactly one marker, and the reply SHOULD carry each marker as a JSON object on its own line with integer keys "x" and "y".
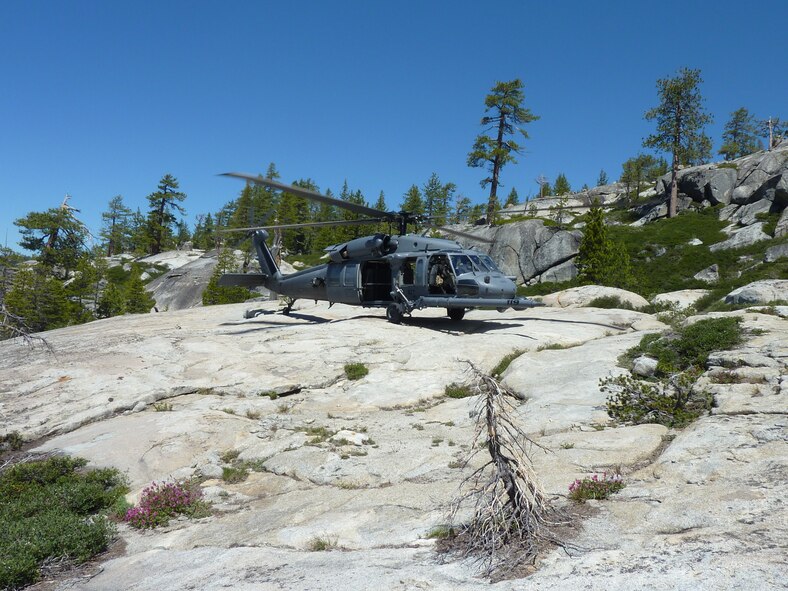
{"x": 489, "y": 263}
{"x": 461, "y": 263}
{"x": 477, "y": 261}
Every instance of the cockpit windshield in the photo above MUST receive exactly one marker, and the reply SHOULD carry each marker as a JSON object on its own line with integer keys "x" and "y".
{"x": 479, "y": 264}
{"x": 488, "y": 262}
{"x": 461, "y": 263}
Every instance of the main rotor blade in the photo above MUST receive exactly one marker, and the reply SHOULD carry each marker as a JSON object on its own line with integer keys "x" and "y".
{"x": 304, "y": 225}
{"x": 312, "y": 195}
{"x": 467, "y": 235}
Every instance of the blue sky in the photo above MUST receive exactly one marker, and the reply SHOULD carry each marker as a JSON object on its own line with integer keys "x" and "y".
{"x": 103, "y": 98}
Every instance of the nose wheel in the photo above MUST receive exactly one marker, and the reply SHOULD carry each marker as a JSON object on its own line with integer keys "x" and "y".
{"x": 456, "y": 314}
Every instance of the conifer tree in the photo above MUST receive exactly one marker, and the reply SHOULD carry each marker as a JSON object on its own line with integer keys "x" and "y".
{"x": 740, "y": 136}
{"x": 507, "y": 115}
{"x": 214, "y": 293}
{"x": 161, "y": 214}
{"x": 602, "y": 178}
{"x": 111, "y": 303}
{"x": 562, "y": 186}
{"x": 38, "y": 299}
{"x": 56, "y": 235}
{"x": 116, "y": 229}
{"x": 137, "y": 300}
{"x": 513, "y": 198}
{"x": 412, "y": 201}
{"x": 600, "y": 260}
{"x": 680, "y": 118}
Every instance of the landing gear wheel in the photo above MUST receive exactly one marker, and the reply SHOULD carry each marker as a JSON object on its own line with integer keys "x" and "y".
{"x": 394, "y": 313}
{"x": 456, "y": 314}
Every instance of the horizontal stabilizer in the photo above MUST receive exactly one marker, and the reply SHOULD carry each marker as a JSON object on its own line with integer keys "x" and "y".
{"x": 242, "y": 279}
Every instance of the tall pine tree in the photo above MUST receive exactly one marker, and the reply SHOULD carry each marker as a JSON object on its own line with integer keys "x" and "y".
{"x": 493, "y": 152}
{"x": 680, "y": 119}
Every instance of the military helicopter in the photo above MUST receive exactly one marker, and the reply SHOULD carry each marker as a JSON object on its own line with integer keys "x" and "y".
{"x": 400, "y": 273}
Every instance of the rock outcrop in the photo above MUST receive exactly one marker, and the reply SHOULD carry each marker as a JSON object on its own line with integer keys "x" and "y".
{"x": 531, "y": 251}
{"x": 715, "y": 492}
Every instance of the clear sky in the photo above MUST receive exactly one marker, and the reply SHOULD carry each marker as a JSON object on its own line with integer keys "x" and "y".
{"x": 102, "y": 98}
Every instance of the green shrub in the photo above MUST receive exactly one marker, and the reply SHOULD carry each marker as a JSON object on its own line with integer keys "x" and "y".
{"x": 689, "y": 346}
{"x": 355, "y": 371}
{"x": 673, "y": 404}
{"x": 455, "y": 390}
{"x": 51, "y": 509}
{"x": 610, "y": 302}
{"x": 11, "y": 441}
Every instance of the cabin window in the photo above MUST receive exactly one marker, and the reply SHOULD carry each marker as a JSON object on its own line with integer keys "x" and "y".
{"x": 420, "y": 268}
{"x": 332, "y": 276}
{"x": 349, "y": 277}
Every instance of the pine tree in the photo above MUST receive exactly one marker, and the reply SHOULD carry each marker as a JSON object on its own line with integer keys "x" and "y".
{"x": 437, "y": 197}
{"x": 512, "y": 199}
{"x": 740, "y": 136}
{"x": 214, "y": 293}
{"x": 602, "y": 178}
{"x": 412, "y": 201}
{"x": 562, "y": 186}
{"x": 640, "y": 171}
{"x": 508, "y": 115}
{"x": 161, "y": 215}
{"x": 600, "y": 260}
{"x": 137, "y": 300}
{"x": 39, "y": 300}
{"x": 680, "y": 118}
{"x": 117, "y": 229}
{"x": 111, "y": 303}
{"x": 56, "y": 235}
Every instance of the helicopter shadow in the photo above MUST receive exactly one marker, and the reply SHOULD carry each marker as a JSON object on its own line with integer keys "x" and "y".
{"x": 612, "y": 326}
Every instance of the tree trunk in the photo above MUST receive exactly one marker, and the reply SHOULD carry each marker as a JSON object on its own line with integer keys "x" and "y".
{"x": 495, "y": 172}
{"x": 674, "y": 187}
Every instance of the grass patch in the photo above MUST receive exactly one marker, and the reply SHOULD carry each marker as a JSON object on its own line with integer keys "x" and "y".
{"x": 504, "y": 363}
{"x": 234, "y": 474}
{"x": 162, "y": 406}
{"x": 556, "y": 347}
{"x": 441, "y": 532}
{"x": 455, "y": 390}
{"x": 51, "y": 509}
{"x": 321, "y": 544}
{"x": 355, "y": 371}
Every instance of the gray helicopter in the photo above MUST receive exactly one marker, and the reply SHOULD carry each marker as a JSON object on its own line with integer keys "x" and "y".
{"x": 400, "y": 273}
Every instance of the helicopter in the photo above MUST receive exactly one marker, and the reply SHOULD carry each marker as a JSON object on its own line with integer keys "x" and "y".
{"x": 401, "y": 273}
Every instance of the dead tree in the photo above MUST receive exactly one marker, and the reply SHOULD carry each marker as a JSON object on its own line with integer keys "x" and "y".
{"x": 13, "y": 326}
{"x": 500, "y": 518}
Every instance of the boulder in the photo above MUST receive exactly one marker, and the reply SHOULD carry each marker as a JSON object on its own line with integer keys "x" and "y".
{"x": 759, "y": 292}
{"x": 695, "y": 242}
{"x": 576, "y": 297}
{"x": 710, "y": 274}
{"x": 743, "y": 237}
{"x": 781, "y": 229}
{"x": 681, "y": 300}
{"x": 644, "y": 366}
{"x": 774, "y": 253}
{"x": 746, "y": 215}
{"x": 529, "y": 249}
